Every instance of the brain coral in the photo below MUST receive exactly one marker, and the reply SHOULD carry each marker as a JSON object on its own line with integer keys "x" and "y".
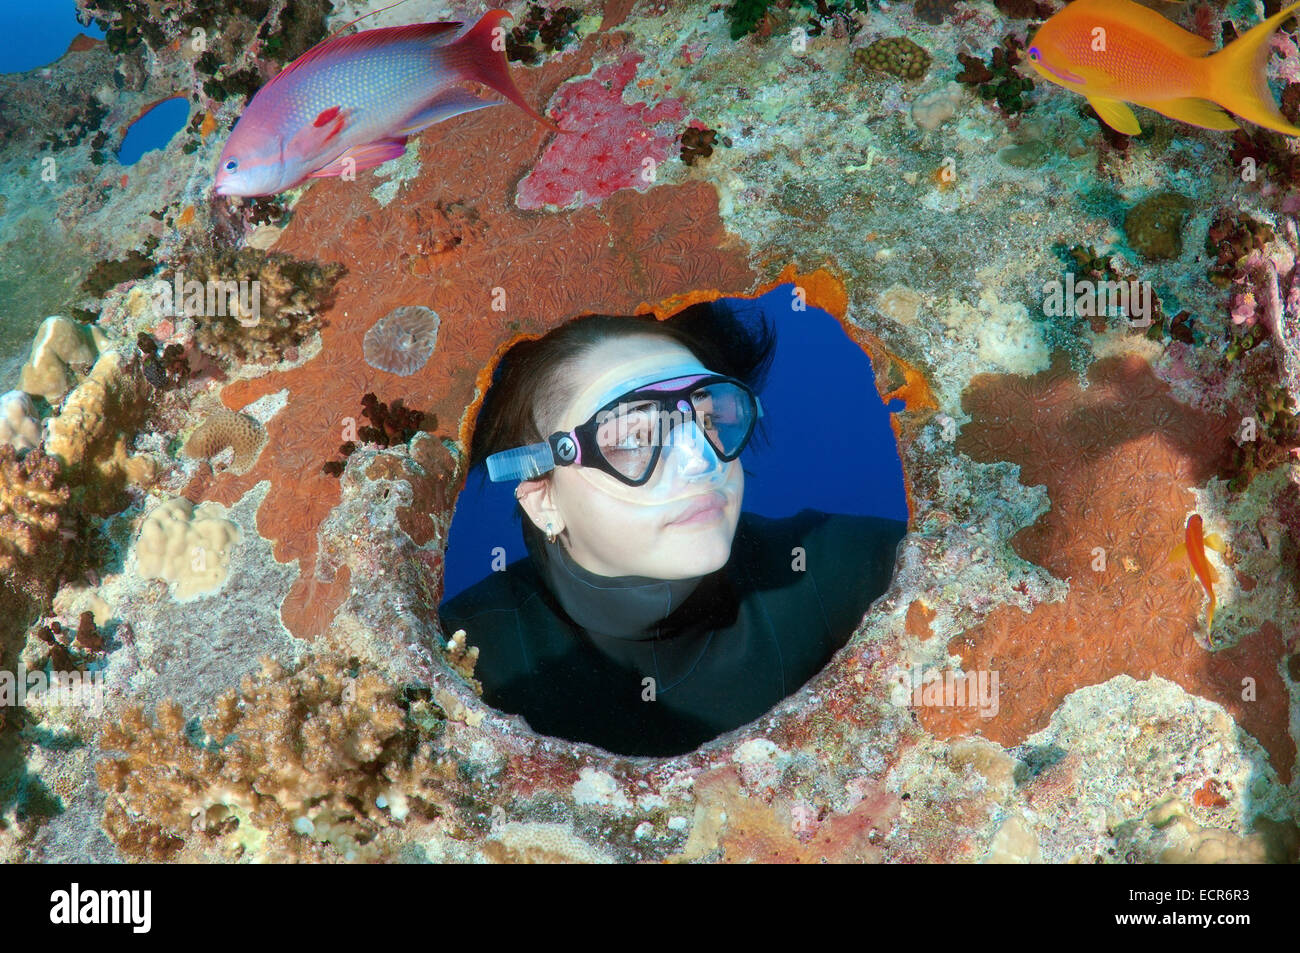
{"x": 228, "y": 429}
{"x": 188, "y": 546}
{"x": 897, "y": 55}
{"x": 19, "y": 425}
{"x": 402, "y": 341}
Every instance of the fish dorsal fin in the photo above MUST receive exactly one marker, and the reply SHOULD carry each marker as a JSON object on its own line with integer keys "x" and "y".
{"x": 1149, "y": 22}
{"x": 369, "y": 39}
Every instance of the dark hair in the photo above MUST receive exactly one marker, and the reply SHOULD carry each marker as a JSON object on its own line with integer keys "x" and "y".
{"x": 531, "y": 380}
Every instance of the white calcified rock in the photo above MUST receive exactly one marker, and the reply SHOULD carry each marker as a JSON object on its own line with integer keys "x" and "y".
{"x": 19, "y": 425}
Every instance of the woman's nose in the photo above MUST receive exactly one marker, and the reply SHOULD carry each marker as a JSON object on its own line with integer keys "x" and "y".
{"x": 695, "y": 456}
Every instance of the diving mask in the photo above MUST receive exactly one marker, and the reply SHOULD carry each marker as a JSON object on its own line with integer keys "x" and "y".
{"x": 669, "y": 433}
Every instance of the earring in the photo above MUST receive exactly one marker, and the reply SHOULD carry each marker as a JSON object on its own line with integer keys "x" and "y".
{"x": 551, "y": 534}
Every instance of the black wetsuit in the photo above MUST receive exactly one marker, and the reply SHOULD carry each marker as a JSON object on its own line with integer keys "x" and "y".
{"x": 721, "y": 650}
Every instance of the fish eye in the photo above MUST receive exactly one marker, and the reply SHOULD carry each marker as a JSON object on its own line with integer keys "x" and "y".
{"x": 232, "y": 165}
{"x": 1033, "y": 54}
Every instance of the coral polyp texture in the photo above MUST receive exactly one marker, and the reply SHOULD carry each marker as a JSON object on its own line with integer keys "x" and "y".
{"x": 615, "y": 145}
{"x": 272, "y": 461}
{"x": 225, "y": 430}
{"x": 402, "y": 341}
{"x": 186, "y": 545}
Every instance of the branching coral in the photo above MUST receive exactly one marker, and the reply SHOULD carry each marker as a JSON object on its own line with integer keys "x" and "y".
{"x": 295, "y": 760}
{"x": 252, "y": 305}
{"x": 33, "y": 497}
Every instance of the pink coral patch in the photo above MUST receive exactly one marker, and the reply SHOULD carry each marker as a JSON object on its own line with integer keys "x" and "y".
{"x": 609, "y": 148}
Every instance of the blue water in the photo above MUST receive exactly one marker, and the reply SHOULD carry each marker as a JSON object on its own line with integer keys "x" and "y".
{"x": 154, "y": 129}
{"x": 37, "y": 32}
{"x": 829, "y": 445}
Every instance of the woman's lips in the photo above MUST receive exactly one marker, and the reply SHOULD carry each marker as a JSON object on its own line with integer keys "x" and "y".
{"x": 704, "y": 509}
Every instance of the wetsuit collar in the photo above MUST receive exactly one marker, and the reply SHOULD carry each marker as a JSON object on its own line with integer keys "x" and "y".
{"x": 620, "y": 607}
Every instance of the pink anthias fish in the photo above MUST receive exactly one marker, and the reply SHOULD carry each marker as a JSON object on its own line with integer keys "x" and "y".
{"x": 349, "y": 103}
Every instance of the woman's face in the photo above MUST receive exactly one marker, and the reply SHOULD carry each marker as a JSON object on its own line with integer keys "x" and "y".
{"x": 613, "y": 529}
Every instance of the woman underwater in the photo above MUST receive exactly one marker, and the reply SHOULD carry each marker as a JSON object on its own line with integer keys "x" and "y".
{"x": 652, "y": 615}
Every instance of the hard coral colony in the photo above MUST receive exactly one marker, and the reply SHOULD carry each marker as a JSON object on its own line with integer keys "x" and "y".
{"x": 240, "y": 446}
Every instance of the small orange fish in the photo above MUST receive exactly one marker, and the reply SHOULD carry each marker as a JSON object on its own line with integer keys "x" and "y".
{"x": 209, "y": 123}
{"x": 186, "y": 216}
{"x": 1116, "y": 52}
{"x": 1193, "y": 548}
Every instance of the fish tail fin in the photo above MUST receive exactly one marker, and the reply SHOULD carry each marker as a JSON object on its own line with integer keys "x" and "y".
{"x": 1236, "y": 77}
{"x": 482, "y": 58}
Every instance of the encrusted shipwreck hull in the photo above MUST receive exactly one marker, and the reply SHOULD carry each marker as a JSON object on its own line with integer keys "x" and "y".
{"x": 1030, "y": 444}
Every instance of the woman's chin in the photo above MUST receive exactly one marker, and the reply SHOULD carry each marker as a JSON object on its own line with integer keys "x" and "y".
{"x": 697, "y": 553}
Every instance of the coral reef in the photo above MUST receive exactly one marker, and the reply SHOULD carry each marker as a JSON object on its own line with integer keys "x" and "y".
{"x": 92, "y": 433}
{"x": 998, "y": 81}
{"x": 664, "y": 242}
{"x": 228, "y": 430}
{"x": 618, "y": 146}
{"x": 896, "y": 55}
{"x": 62, "y": 350}
{"x": 1108, "y": 453}
{"x": 1019, "y": 465}
{"x": 1154, "y": 226}
{"x": 265, "y": 303}
{"x": 402, "y": 341}
{"x": 934, "y": 12}
{"x": 164, "y": 371}
{"x": 698, "y": 142}
{"x": 552, "y": 29}
{"x": 33, "y": 500}
{"x": 295, "y": 761}
{"x": 390, "y": 426}
{"x": 20, "y": 428}
{"x": 188, "y": 545}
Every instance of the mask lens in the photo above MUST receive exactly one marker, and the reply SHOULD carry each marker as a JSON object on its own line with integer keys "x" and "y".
{"x": 631, "y": 434}
{"x": 627, "y": 436}
{"x": 725, "y": 415}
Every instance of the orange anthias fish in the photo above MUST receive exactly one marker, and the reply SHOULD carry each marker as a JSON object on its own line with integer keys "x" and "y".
{"x": 349, "y": 103}
{"x": 1193, "y": 548}
{"x": 1116, "y": 52}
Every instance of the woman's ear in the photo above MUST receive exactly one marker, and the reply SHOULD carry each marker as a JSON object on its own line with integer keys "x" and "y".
{"x": 535, "y": 497}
